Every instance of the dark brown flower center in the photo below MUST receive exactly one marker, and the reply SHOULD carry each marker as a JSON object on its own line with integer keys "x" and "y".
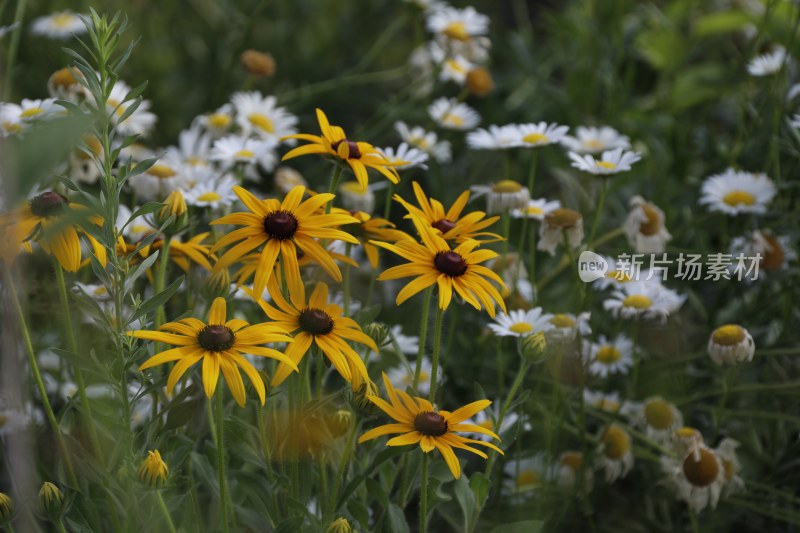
{"x": 215, "y": 338}
{"x": 354, "y": 152}
{"x": 701, "y": 473}
{"x": 444, "y": 225}
{"x": 432, "y": 424}
{"x": 48, "y": 204}
{"x": 450, "y": 263}
{"x": 315, "y": 321}
{"x": 280, "y": 225}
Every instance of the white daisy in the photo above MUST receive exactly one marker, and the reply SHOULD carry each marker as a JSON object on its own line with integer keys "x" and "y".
{"x": 731, "y": 344}
{"x": 592, "y": 140}
{"x": 608, "y": 402}
{"x": 354, "y": 198}
{"x": 515, "y": 276}
{"x": 697, "y": 478}
{"x": 218, "y": 123}
{"x": 414, "y": 157}
{"x": 657, "y": 417}
{"x": 214, "y": 194}
{"x": 503, "y": 196}
{"x": 567, "y": 326}
{"x": 164, "y": 176}
{"x": 140, "y": 122}
{"x": 525, "y": 475}
{"x": 569, "y": 467}
{"x": 407, "y": 344}
{"x": 734, "y": 192}
{"x": 494, "y": 138}
{"x": 457, "y": 24}
{"x": 607, "y": 356}
{"x": 487, "y": 420}
{"x": 610, "y": 162}
{"x": 402, "y": 377}
{"x": 233, "y": 149}
{"x": 776, "y": 251}
{"x": 451, "y": 114}
{"x": 258, "y": 115}
{"x": 541, "y": 134}
{"x": 536, "y": 209}
{"x": 287, "y": 178}
{"x": 555, "y": 225}
{"x": 615, "y": 452}
{"x": 426, "y": 141}
{"x": 16, "y": 117}
{"x": 641, "y": 300}
{"x": 59, "y": 25}
{"x": 726, "y": 450}
{"x": 194, "y": 147}
{"x": 644, "y": 227}
{"x": 521, "y": 323}
{"x": 616, "y": 275}
{"x": 455, "y": 69}
{"x": 767, "y": 64}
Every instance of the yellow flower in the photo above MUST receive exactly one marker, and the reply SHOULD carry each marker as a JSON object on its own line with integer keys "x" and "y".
{"x": 358, "y": 155}
{"x": 420, "y": 423}
{"x": 319, "y": 322}
{"x": 175, "y": 205}
{"x": 450, "y": 223}
{"x": 453, "y": 270}
{"x": 182, "y": 254}
{"x": 51, "y": 499}
{"x": 372, "y": 228}
{"x": 153, "y": 471}
{"x": 220, "y": 345}
{"x": 6, "y": 508}
{"x": 282, "y": 227}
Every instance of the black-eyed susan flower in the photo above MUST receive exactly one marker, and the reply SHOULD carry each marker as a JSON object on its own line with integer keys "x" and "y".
{"x": 153, "y": 471}
{"x": 183, "y": 254}
{"x": 333, "y": 142}
{"x": 456, "y": 269}
{"x": 219, "y": 344}
{"x": 450, "y": 223}
{"x": 282, "y": 228}
{"x": 731, "y": 344}
{"x": 371, "y": 228}
{"x": 419, "y": 422}
{"x": 319, "y": 322}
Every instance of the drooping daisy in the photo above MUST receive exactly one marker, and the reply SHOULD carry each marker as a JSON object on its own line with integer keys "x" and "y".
{"x": 536, "y": 209}
{"x": 421, "y": 423}
{"x": 697, "y": 478}
{"x": 659, "y": 418}
{"x": 767, "y": 64}
{"x": 541, "y": 134}
{"x": 494, "y": 138}
{"x": 731, "y": 344}
{"x": 503, "y": 196}
{"x": 450, "y": 223}
{"x": 219, "y": 344}
{"x": 610, "y": 162}
{"x": 593, "y": 140}
{"x": 354, "y": 198}
{"x": 212, "y": 194}
{"x": 567, "y": 326}
{"x": 558, "y": 226}
{"x": 569, "y": 467}
{"x": 321, "y": 323}
{"x": 282, "y": 228}
{"x": 641, "y": 300}
{"x": 457, "y": 24}
{"x": 454, "y": 270}
{"x": 402, "y": 377}
{"x": 526, "y": 475}
{"x": 726, "y": 450}
{"x": 233, "y": 149}
{"x": 521, "y": 323}
{"x": 775, "y": 250}
{"x": 609, "y": 356}
{"x": 615, "y": 452}
{"x": 406, "y": 157}
{"x": 685, "y": 440}
{"x": 734, "y": 192}
{"x": 259, "y": 115}
{"x": 334, "y": 143}
{"x": 451, "y": 114}
{"x": 644, "y": 227}
{"x": 608, "y": 402}
{"x": 426, "y": 141}
{"x": 59, "y": 25}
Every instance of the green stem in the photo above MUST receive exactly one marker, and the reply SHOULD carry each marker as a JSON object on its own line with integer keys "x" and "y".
{"x": 423, "y": 496}
{"x": 223, "y": 479}
{"x": 60, "y": 525}
{"x": 423, "y": 335}
{"x": 344, "y": 460}
{"x": 37, "y": 376}
{"x": 600, "y": 204}
{"x": 437, "y": 342}
{"x": 13, "y": 46}
{"x": 532, "y": 170}
{"x": 346, "y": 280}
{"x": 161, "y": 276}
{"x": 505, "y": 220}
{"x": 387, "y": 206}
{"x": 165, "y": 512}
{"x": 337, "y": 174}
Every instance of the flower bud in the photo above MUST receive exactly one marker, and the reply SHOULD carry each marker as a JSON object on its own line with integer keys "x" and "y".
{"x": 287, "y": 178}
{"x": 479, "y": 82}
{"x": 153, "y": 471}
{"x": 339, "y": 422}
{"x": 258, "y": 64}
{"x": 174, "y": 205}
{"x": 534, "y": 347}
{"x": 340, "y": 525}
{"x": 6, "y": 508}
{"x": 219, "y": 283}
{"x": 51, "y": 500}
{"x": 377, "y": 332}
{"x": 359, "y": 400}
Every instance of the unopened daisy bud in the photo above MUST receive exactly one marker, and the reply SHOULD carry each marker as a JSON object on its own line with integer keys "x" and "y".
{"x": 340, "y": 525}
{"x": 51, "y": 500}
{"x": 507, "y": 195}
{"x": 479, "y": 82}
{"x": 6, "y": 508}
{"x": 153, "y": 471}
{"x": 731, "y": 344}
{"x": 287, "y": 178}
{"x": 339, "y": 422}
{"x": 354, "y": 198}
{"x": 359, "y": 401}
{"x": 377, "y": 332}
{"x": 259, "y": 64}
{"x": 534, "y": 347}
{"x": 556, "y": 225}
{"x": 174, "y": 205}
{"x": 219, "y": 283}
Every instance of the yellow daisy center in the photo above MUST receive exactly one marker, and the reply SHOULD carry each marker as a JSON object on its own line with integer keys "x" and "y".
{"x": 62, "y": 78}
{"x": 100, "y": 291}
{"x": 686, "y": 433}
{"x": 561, "y": 320}
{"x": 728, "y": 335}
{"x": 608, "y": 165}
{"x": 456, "y": 31}
{"x": 161, "y": 171}
{"x": 608, "y": 354}
{"x": 62, "y": 20}
{"x": 453, "y": 119}
{"x": 209, "y": 196}
{"x": 593, "y": 144}
{"x": 261, "y": 122}
{"x": 637, "y": 301}
{"x": 703, "y": 472}
{"x": 119, "y": 109}
{"x": 423, "y": 376}
{"x": 219, "y": 120}
{"x": 653, "y": 223}
{"x": 521, "y": 327}
{"x": 562, "y": 218}
{"x": 11, "y": 127}
{"x": 658, "y": 414}
{"x": 455, "y": 65}
{"x": 737, "y": 198}
{"x": 420, "y": 142}
{"x": 527, "y": 478}
{"x": 773, "y": 255}
{"x": 572, "y": 460}
{"x": 730, "y": 469}
{"x": 617, "y": 442}
{"x": 31, "y": 112}
{"x": 506, "y": 186}
{"x": 244, "y": 153}
{"x": 535, "y": 138}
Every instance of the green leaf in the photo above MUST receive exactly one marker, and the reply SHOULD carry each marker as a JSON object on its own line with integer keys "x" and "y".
{"x": 466, "y": 500}
{"x": 397, "y": 520}
{"x": 159, "y": 299}
{"x": 528, "y": 526}
{"x": 480, "y": 485}
{"x": 720, "y": 22}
